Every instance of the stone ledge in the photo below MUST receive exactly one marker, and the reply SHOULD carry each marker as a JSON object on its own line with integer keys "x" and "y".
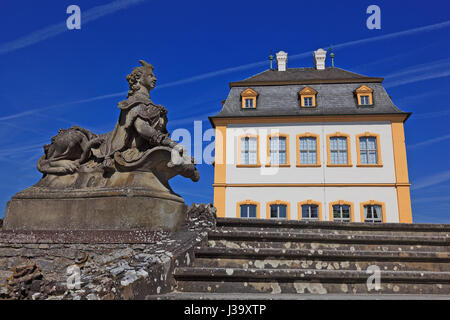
{"x": 81, "y": 236}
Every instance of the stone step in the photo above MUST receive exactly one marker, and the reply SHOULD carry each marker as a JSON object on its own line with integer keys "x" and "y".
{"x": 322, "y": 245}
{"x": 271, "y": 258}
{"x": 298, "y": 281}
{"x": 293, "y": 296}
{"x": 331, "y": 225}
{"x": 338, "y": 231}
{"x": 328, "y": 238}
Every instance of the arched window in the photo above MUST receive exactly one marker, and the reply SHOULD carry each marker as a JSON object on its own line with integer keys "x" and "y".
{"x": 278, "y": 210}
{"x": 278, "y": 150}
{"x": 248, "y": 151}
{"x": 308, "y": 150}
{"x": 341, "y": 211}
{"x": 247, "y": 209}
{"x": 338, "y": 150}
{"x": 368, "y": 149}
{"x": 310, "y": 210}
{"x": 373, "y": 211}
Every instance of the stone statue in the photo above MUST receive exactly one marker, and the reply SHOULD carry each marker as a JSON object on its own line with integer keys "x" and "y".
{"x": 136, "y": 159}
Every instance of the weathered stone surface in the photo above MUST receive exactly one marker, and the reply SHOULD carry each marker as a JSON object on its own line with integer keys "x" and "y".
{"x": 111, "y": 264}
{"x": 118, "y": 180}
{"x": 201, "y": 216}
{"x": 276, "y": 258}
{"x": 107, "y": 213}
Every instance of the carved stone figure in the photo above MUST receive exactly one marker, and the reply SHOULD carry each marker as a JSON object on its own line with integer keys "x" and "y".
{"x": 89, "y": 178}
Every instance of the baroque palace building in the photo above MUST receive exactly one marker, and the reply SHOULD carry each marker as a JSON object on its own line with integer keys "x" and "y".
{"x": 316, "y": 143}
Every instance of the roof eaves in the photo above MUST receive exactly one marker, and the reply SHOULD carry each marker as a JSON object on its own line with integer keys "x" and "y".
{"x": 296, "y": 82}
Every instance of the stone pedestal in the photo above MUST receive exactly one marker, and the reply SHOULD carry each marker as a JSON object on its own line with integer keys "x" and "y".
{"x": 125, "y": 201}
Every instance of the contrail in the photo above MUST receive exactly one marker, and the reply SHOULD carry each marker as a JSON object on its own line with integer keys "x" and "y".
{"x": 429, "y": 141}
{"x": 237, "y": 68}
{"x": 58, "y": 28}
{"x": 425, "y": 71}
{"x": 32, "y": 111}
{"x": 432, "y": 180}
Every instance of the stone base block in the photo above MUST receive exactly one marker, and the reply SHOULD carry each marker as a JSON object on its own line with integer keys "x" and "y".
{"x": 123, "y": 209}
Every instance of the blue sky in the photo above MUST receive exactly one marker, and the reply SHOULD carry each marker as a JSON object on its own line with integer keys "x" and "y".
{"x": 53, "y": 78}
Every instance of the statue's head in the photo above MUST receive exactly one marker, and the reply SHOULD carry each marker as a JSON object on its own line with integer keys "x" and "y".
{"x": 141, "y": 77}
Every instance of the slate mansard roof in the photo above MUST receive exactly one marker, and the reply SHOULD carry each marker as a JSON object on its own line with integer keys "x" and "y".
{"x": 278, "y": 94}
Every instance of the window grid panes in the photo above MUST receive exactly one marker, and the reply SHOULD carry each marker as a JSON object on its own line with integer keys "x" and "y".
{"x": 373, "y": 213}
{"x": 368, "y": 150}
{"x": 338, "y": 150}
{"x": 248, "y": 210}
{"x": 364, "y": 100}
{"x": 308, "y": 101}
{"x": 249, "y": 103}
{"x": 278, "y": 150}
{"x": 308, "y": 150}
{"x": 341, "y": 213}
{"x": 310, "y": 212}
{"x": 249, "y": 150}
{"x": 278, "y": 211}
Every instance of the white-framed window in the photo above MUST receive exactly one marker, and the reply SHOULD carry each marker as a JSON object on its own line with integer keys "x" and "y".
{"x": 373, "y": 213}
{"x": 342, "y": 213}
{"x": 308, "y": 101}
{"x": 308, "y": 150}
{"x": 368, "y": 152}
{"x": 364, "y": 100}
{"x": 278, "y": 211}
{"x": 248, "y": 210}
{"x": 278, "y": 150}
{"x": 249, "y": 103}
{"x": 338, "y": 150}
{"x": 310, "y": 212}
{"x": 249, "y": 150}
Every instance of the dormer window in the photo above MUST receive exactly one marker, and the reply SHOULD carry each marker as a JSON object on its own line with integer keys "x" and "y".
{"x": 364, "y": 100}
{"x": 308, "y": 101}
{"x": 364, "y": 96}
{"x": 248, "y": 102}
{"x": 248, "y": 97}
{"x": 308, "y": 97}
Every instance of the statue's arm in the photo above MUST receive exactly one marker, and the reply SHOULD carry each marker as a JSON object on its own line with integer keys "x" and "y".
{"x": 153, "y": 135}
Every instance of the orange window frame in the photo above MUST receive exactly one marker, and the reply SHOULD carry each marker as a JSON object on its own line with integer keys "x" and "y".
{"x": 358, "y": 151}
{"x": 258, "y": 162}
{"x": 279, "y": 135}
{"x": 349, "y": 151}
{"x": 297, "y": 141}
{"x": 309, "y": 202}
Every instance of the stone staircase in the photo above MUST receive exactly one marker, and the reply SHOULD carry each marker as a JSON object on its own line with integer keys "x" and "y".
{"x": 275, "y": 259}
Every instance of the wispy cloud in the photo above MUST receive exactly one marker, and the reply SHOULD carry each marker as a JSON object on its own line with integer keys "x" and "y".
{"x": 37, "y": 110}
{"x": 420, "y": 72}
{"x": 445, "y": 199}
{"x": 212, "y": 74}
{"x": 428, "y": 115}
{"x": 56, "y": 29}
{"x": 432, "y": 180}
{"x": 429, "y": 141}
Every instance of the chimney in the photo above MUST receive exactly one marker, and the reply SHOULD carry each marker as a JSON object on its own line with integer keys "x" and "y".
{"x": 281, "y": 60}
{"x": 319, "y": 59}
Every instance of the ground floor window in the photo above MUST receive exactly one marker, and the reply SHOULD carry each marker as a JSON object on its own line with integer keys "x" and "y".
{"x": 341, "y": 212}
{"x": 278, "y": 211}
{"x": 248, "y": 210}
{"x": 310, "y": 212}
{"x": 373, "y": 213}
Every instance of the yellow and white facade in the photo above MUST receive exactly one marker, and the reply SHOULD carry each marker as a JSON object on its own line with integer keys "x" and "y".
{"x": 351, "y": 187}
